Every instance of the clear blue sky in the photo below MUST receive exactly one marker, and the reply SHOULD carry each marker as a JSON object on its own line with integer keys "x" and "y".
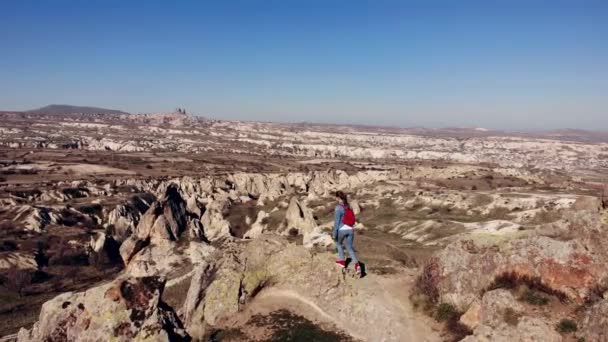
{"x": 500, "y": 64}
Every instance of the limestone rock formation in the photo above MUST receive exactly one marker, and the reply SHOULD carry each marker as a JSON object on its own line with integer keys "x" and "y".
{"x": 34, "y": 218}
{"x": 594, "y": 325}
{"x": 168, "y": 259}
{"x": 298, "y": 218}
{"x": 123, "y": 310}
{"x": 527, "y": 329}
{"x": 272, "y": 265}
{"x": 258, "y": 227}
{"x": 491, "y": 311}
{"x": 466, "y": 269}
{"x": 215, "y": 225}
{"x": 122, "y": 220}
{"x": 165, "y": 219}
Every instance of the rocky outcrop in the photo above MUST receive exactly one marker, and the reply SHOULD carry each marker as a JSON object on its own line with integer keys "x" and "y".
{"x": 258, "y": 227}
{"x": 165, "y": 219}
{"x": 594, "y": 325}
{"x": 124, "y": 310}
{"x": 527, "y": 329}
{"x": 103, "y": 250}
{"x": 492, "y": 309}
{"x": 215, "y": 225}
{"x": 569, "y": 268}
{"x": 270, "y": 264}
{"x": 18, "y": 261}
{"x": 169, "y": 260}
{"x": 122, "y": 220}
{"x": 34, "y": 218}
{"x": 299, "y": 220}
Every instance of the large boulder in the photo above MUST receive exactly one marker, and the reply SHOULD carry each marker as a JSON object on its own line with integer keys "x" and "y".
{"x": 464, "y": 270}
{"x": 491, "y": 310}
{"x": 168, "y": 259}
{"x": 124, "y": 310}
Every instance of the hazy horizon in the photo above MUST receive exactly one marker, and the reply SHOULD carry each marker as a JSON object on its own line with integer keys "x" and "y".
{"x": 508, "y": 65}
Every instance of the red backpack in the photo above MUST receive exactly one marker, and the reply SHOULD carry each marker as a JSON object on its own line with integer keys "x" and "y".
{"x": 349, "y": 216}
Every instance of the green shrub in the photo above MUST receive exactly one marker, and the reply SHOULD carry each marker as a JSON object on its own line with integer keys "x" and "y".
{"x": 445, "y": 312}
{"x": 566, "y": 326}
{"x": 534, "y": 298}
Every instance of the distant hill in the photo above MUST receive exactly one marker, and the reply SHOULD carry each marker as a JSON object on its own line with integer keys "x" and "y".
{"x": 58, "y": 109}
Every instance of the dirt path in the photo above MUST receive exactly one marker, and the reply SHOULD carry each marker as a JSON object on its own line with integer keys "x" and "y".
{"x": 389, "y": 296}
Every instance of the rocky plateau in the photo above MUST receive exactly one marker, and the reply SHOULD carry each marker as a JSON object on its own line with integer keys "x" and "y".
{"x": 169, "y": 227}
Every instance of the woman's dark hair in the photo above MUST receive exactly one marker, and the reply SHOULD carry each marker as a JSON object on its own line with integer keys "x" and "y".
{"x": 342, "y": 196}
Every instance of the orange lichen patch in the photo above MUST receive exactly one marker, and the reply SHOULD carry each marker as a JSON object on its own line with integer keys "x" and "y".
{"x": 560, "y": 276}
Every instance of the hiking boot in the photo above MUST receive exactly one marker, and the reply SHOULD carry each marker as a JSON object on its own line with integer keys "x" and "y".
{"x": 358, "y": 269}
{"x": 341, "y": 263}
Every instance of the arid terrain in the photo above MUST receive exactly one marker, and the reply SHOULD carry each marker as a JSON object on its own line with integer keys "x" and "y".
{"x": 117, "y": 226}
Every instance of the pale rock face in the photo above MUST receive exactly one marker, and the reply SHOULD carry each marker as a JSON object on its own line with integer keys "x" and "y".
{"x": 294, "y": 271}
{"x": 17, "y": 260}
{"x": 125, "y": 309}
{"x": 193, "y": 206}
{"x": 130, "y": 247}
{"x": 96, "y": 244}
{"x": 527, "y": 329}
{"x": 594, "y": 325}
{"x": 317, "y": 239}
{"x": 572, "y": 265}
{"x": 167, "y": 260}
{"x": 491, "y": 310}
{"x": 299, "y": 217}
{"x": 166, "y": 219}
{"x": 215, "y": 226}
{"x": 53, "y": 196}
{"x": 33, "y": 218}
{"x": 257, "y": 228}
{"x": 125, "y": 217}
{"x": 202, "y": 277}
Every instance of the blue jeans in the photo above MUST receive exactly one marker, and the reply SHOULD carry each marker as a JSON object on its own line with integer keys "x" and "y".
{"x": 346, "y": 236}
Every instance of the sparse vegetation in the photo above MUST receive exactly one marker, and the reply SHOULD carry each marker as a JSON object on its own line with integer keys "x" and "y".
{"x": 566, "y": 326}
{"x": 445, "y": 312}
{"x": 534, "y": 298}
{"x": 530, "y": 286}
{"x": 511, "y": 317}
{"x": 426, "y": 283}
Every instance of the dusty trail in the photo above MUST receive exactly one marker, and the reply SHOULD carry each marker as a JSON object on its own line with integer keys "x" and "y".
{"x": 387, "y": 294}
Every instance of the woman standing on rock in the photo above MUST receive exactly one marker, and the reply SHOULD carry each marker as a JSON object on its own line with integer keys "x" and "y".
{"x": 344, "y": 232}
